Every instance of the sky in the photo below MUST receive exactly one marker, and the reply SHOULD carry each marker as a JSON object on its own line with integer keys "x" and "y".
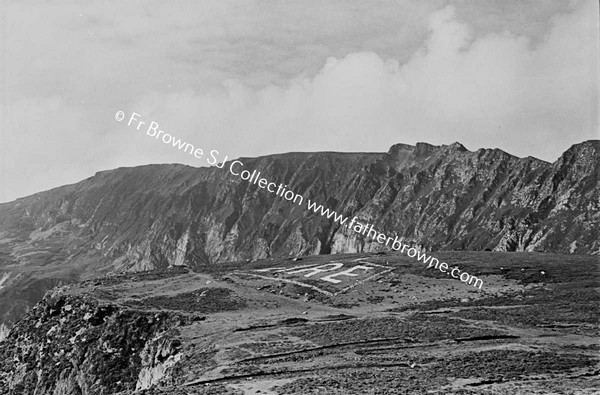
{"x": 251, "y": 78}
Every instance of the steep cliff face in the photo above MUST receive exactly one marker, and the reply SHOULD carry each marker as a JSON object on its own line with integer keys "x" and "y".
{"x": 450, "y": 198}
{"x": 74, "y": 344}
{"x": 440, "y": 197}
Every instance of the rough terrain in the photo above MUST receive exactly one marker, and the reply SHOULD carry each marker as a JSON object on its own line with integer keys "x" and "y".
{"x": 436, "y": 197}
{"x": 273, "y": 327}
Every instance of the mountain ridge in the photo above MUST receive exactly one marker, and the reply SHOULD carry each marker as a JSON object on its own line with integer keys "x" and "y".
{"x": 435, "y": 197}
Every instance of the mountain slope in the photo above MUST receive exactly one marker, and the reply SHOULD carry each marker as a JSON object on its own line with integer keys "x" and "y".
{"x": 439, "y": 197}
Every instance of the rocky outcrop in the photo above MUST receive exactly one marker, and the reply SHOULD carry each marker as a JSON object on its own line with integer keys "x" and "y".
{"x": 3, "y": 332}
{"x": 438, "y": 197}
{"x": 72, "y": 344}
{"x": 228, "y": 331}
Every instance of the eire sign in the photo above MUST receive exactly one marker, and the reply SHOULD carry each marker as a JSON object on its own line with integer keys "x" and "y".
{"x": 330, "y": 278}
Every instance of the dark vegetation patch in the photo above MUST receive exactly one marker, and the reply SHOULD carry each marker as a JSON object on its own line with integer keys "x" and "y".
{"x": 524, "y": 267}
{"x": 375, "y": 299}
{"x": 293, "y": 321}
{"x": 205, "y": 389}
{"x": 556, "y": 293}
{"x": 64, "y": 333}
{"x": 420, "y": 327}
{"x": 382, "y": 381}
{"x": 431, "y": 373}
{"x": 504, "y": 365}
{"x": 203, "y": 300}
{"x": 535, "y": 316}
{"x": 148, "y": 275}
{"x": 562, "y": 303}
{"x": 344, "y": 305}
{"x": 269, "y": 347}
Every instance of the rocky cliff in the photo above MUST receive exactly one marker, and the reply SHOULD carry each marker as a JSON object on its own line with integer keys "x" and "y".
{"x": 75, "y": 343}
{"x": 156, "y": 216}
{"x": 533, "y": 329}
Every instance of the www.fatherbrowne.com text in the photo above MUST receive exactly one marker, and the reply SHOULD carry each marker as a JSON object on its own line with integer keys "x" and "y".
{"x": 236, "y": 168}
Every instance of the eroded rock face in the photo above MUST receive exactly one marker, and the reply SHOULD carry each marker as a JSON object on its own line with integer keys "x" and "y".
{"x": 3, "y": 332}
{"x": 439, "y": 197}
{"x": 74, "y": 345}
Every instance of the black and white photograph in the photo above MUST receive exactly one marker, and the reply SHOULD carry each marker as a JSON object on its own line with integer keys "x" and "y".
{"x": 327, "y": 197}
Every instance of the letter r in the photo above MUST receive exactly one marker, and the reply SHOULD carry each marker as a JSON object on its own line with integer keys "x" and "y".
{"x": 133, "y": 118}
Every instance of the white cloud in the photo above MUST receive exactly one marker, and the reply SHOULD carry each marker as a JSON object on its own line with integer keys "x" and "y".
{"x": 498, "y": 90}
{"x": 219, "y": 76}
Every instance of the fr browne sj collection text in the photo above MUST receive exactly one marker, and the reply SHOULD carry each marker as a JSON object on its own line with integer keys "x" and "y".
{"x": 236, "y": 168}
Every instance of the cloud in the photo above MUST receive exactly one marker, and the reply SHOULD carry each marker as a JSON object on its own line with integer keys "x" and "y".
{"x": 498, "y": 90}
{"x": 253, "y": 78}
